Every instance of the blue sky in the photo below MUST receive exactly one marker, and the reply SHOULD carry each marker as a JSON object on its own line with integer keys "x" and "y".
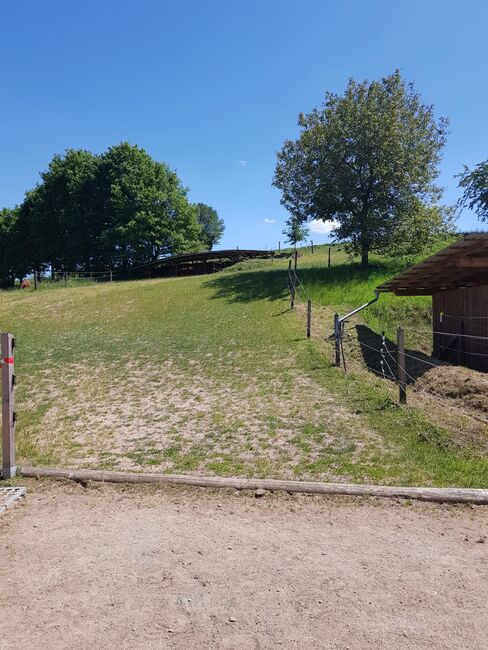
{"x": 213, "y": 88}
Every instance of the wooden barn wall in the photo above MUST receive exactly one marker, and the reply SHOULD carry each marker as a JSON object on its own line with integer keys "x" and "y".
{"x": 464, "y": 311}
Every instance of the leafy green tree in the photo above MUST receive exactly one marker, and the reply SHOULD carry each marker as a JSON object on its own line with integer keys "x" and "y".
{"x": 59, "y": 218}
{"x": 212, "y": 226}
{"x": 430, "y": 223}
{"x": 295, "y": 231}
{"x": 10, "y": 248}
{"x": 116, "y": 209}
{"x": 366, "y": 159}
{"x": 475, "y": 185}
{"x": 145, "y": 208}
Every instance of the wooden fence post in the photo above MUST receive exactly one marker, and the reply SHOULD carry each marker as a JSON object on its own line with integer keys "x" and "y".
{"x": 279, "y": 247}
{"x": 328, "y": 264}
{"x": 402, "y": 375}
{"x": 296, "y": 259}
{"x": 35, "y": 280}
{"x": 111, "y": 275}
{"x": 311, "y": 243}
{"x": 8, "y": 415}
{"x": 337, "y": 333}
{"x": 309, "y": 317}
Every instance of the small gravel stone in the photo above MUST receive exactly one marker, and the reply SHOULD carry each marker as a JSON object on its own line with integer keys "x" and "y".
{"x": 232, "y": 619}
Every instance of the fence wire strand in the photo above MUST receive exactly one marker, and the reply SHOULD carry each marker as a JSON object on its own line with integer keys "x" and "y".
{"x": 386, "y": 357}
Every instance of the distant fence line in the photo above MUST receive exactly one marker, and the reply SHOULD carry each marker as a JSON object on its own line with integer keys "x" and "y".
{"x": 97, "y": 276}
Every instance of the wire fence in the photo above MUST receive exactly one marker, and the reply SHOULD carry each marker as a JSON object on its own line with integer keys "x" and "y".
{"x": 400, "y": 368}
{"x": 94, "y": 276}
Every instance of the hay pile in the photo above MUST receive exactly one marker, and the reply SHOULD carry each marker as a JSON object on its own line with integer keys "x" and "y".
{"x": 467, "y": 387}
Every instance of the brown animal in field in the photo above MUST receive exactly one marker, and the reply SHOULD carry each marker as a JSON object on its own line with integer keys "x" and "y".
{"x": 25, "y": 284}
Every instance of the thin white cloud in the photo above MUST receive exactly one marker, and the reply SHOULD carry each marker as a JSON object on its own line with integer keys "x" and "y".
{"x": 266, "y": 220}
{"x": 242, "y": 163}
{"x": 323, "y": 227}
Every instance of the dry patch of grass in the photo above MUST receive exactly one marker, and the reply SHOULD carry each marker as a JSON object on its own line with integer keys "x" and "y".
{"x": 179, "y": 417}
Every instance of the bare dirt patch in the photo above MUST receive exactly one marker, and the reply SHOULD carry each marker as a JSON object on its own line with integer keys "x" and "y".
{"x": 184, "y": 417}
{"x": 110, "y": 567}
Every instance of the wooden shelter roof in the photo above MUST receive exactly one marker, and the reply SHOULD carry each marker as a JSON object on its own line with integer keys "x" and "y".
{"x": 205, "y": 256}
{"x": 460, "y": 265}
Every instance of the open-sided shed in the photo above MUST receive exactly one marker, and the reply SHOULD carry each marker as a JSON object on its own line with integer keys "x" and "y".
{"x": 457, "y": 279}
{"x": 192, "y": 263}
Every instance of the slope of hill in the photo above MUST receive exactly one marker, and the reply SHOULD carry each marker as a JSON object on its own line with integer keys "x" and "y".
{"x": 213, "y": 374}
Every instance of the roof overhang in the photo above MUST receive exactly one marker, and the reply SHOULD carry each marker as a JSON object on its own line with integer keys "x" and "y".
{"x": 460, "y": 265}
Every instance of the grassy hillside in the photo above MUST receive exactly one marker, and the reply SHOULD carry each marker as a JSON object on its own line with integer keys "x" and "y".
{"x": 213, "y": 374}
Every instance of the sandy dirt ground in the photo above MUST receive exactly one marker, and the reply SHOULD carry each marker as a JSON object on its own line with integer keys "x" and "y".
{"x": 114, "y": 567}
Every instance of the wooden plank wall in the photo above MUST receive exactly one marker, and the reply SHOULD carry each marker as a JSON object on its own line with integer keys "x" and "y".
{"x": 464, "y": 311}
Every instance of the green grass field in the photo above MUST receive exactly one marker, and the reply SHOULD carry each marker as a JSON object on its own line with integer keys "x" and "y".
{"x": 214, "y": 374}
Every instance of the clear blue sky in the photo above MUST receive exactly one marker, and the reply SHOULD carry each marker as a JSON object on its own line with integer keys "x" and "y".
{"x": 207, "y": 85}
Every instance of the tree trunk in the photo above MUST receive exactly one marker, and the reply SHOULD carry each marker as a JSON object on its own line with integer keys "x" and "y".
{"x": 363, "y": 236}
{"x": 364, "y": 257}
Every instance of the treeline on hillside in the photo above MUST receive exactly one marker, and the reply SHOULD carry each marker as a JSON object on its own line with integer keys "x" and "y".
{"x": 97, "y": 212}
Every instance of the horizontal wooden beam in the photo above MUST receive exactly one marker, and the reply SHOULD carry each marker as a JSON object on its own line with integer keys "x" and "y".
{"x": 473, "y": 262}
{"x": 439, "y": 495}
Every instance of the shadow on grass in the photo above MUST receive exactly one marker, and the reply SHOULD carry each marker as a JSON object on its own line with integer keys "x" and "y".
{"x": 248, "y": 286}
{"x": 271, "y": 284}
{"x": 345, "y": 274}
{"x": 370, "y": 343}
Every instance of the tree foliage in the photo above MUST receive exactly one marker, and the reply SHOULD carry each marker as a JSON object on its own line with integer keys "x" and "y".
{"x": 475, "y": 185}
{"x": 368, "y": 160}
{"x": 93, "y": 212}
{"x": 295, "y": 231}
{"x": 9, "y": 250}
{"x": 212, "y": 226}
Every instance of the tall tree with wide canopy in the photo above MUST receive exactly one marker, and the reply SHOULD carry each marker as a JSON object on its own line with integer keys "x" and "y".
{"x": 367, "y": 159}
{"x": 145, "y": 208}
{"x": 117, "y": 209}
{"x": 59, "y": 219}
{"x": 212, "y": 226}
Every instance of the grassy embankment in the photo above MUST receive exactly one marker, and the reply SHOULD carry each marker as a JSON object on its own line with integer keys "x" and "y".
{"x": 213, "y": 374}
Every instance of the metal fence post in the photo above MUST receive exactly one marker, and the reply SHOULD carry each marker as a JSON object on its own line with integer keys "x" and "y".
{"x": 309, "y": 317}
{"x": 402, "y": 375}
{"x": 328, "y": 264}
{"x": 337, "y": 334}
{"x": 8, "y": 416}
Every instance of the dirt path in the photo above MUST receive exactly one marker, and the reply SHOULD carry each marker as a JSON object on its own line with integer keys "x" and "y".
{"x": 108, "y": 567}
